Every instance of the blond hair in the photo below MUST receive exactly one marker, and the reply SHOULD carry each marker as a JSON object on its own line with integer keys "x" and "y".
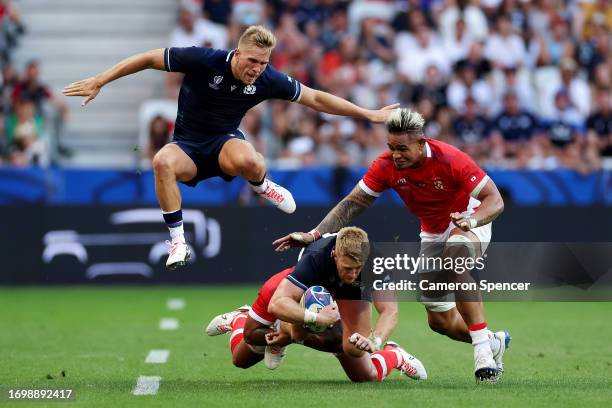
{"x": 403, "y": 120}
{"x": 259, "y": 36}
{"x": 353, "y": 242}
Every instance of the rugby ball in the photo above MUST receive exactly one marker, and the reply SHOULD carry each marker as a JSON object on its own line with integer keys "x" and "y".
{"x": 314, "y": 299}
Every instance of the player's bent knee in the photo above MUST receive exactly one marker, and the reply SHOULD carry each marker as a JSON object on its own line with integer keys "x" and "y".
{"x": 162, "y": 163}
{"x": 359, "y": 378}
{"x": 248, "y": 335}
{"x": 351, "y": 350}
{"x": 241, "y": 362}
{"x": 438, "y": 324}
{"x": 249, "y": 162}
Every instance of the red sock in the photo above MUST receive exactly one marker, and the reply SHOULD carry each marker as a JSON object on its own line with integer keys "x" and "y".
{"x": 237, "y": 326}
{"x": 384, "y": 361}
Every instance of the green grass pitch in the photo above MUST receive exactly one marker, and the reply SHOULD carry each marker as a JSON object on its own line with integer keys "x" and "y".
{"x": 560, "y": 355}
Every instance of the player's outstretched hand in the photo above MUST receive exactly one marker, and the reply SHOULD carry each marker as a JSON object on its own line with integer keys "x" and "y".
{"x": 328, "y": 315}
{"x": 89, "y": 88}
{"x": 466, "y": 223}
{"x": 381, "y": 115}
{"x": 362, "y": 342}
{"x": 278, "y": 338}
{"x": 295, "y": 239}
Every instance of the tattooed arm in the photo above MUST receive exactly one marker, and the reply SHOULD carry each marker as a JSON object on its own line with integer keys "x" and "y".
{"x": 346, "y": 210}
{"x": 340, "y": 216}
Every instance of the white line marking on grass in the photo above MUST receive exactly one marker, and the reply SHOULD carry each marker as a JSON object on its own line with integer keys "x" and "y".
{"x": 175, "y": 304}
{"x": 157, "y": 356}
{"x": 168, "y": 323}
{"x": 146, "y": 385}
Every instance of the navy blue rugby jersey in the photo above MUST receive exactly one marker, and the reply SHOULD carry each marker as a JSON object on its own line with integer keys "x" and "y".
{"x": 316, "y": 266}
{"x": 211, "y": 101}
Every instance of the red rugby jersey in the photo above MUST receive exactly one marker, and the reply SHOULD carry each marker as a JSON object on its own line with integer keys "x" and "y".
{"x": 441, "y": 185}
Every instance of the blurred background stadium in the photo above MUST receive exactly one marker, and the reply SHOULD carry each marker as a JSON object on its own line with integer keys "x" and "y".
{"x": 523, "y": 86}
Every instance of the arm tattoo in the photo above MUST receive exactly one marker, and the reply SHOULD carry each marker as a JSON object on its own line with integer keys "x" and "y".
{"x": 347, "y": 209}
{"x": 492, "y": 205}
{"x": 487, "y": 219}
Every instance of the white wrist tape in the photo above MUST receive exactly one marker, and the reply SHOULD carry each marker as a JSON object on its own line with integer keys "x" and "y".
{"x": 309, "y": 316}
{"x": 377, "y": 342}
{"x": 473, "y": 222}
{"x": 315, "y": 234}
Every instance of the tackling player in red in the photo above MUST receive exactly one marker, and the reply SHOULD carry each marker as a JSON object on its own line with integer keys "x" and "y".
{"x": 455, "y": 201}
{"x": 336, "y": 261}
{"x": 253, "y": 327}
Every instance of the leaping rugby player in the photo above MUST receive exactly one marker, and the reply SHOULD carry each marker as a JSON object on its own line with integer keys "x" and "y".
{"x": 218, "y": 89}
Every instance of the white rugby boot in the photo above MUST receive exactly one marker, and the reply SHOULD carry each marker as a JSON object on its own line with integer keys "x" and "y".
{"x": 273, "y": 356}
{"x": 410, "y": 365}
{"x": 485, "y": 367}
{"x": 221, "y": 324}
{"x": 279, "y": 196}
{"x": 503, "y": 339}
{"x": 179, "y": 255}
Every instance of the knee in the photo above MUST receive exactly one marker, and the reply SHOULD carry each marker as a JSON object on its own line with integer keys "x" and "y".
{"x": 239, "y": 363}
{"x": 438, "y": 324}
{"x": 365, "y": 376}
{"x": 351, "y": 350}
{"x": 248, "y": 336}
{"x": 248, "y": 162}
{"x": 162, "y": 163}
{"x": 358, "y": 378}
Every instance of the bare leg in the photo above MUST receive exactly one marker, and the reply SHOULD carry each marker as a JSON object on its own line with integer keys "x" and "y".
{"x": 255, "y": 332}
{"x": 449, "y": 323}
{"x": 472, "y": 312}
{"x": 239, "y": 158}
{"x": 244, "y": 357}
{"x": 171, "y": 164}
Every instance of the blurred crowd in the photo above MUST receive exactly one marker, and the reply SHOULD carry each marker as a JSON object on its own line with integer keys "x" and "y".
{"x": 515, "y": 83}
{"x": 24, "y": 100}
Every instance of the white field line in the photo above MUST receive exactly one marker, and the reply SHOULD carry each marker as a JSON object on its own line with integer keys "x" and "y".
{"x": 157, "y": 356}
{"x": 175, "y": 304}
{"x": 168, "y": 323}
{"x": 146, "y": 385}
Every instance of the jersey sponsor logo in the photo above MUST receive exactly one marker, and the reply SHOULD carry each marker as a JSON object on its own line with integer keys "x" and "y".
{"x": 249, "y": 90}
{"x": 216, "y": 82}
{"x": 438, "y": 184}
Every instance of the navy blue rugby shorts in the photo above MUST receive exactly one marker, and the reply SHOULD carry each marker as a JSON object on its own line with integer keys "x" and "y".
{"x": 205, "y": 155}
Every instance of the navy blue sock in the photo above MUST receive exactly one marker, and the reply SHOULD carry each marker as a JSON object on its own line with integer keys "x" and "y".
{"x": 174, "y": 219}
{"x": 258, "y": 183}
